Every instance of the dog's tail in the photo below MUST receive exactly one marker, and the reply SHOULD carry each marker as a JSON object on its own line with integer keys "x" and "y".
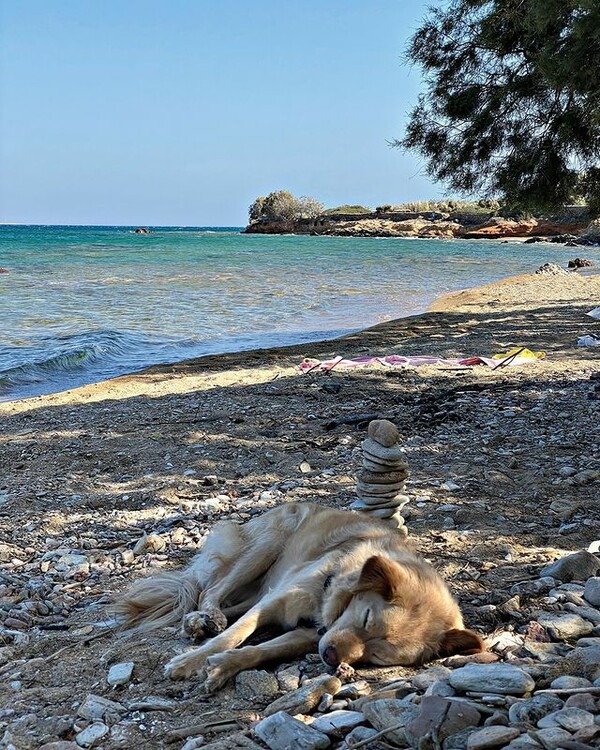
{"x": 157, "y": 602}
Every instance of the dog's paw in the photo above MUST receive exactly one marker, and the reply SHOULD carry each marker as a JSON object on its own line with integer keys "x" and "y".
{"x": 204, "y": 624}
{"x": 219, "y": 669}
{"x": 185, "y": 665}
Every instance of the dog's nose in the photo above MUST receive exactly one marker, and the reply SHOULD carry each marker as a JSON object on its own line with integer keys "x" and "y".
{"x": 330, "y": 656}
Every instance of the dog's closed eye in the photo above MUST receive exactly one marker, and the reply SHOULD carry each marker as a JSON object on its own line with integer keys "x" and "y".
{"x": 366, "y": 619}
{"x": 321, "y": 631}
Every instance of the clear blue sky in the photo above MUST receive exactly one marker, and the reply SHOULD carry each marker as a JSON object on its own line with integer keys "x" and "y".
{"x": 183, "y": 111}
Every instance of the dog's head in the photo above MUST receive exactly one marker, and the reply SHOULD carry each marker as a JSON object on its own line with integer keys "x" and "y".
{"x": 396, "y": 614}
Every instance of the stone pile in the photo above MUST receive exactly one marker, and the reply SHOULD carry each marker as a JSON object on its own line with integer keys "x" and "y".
{"x": 380, "y": 482}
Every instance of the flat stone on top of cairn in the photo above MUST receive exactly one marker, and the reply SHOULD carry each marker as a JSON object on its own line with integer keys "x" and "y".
{"x": 381, "y": 480}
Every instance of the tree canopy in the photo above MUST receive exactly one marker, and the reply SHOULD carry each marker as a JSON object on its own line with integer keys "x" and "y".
{"x": 511, "y": 106}
{"x": 282, "y": 206}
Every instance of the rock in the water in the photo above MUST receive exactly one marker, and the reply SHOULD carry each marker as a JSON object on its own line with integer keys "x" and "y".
{"x": 304, "y": 699}
{"x": 565, "y": 627}
{"x": 338, "y": 722}
{"x": 576, "y": 567}
{"x": 491, "y": 737}
{"x": 281, "y": 731}
{"x": 505, "y": 679}
{"x": 120, "y": 674}
{"x": 591, "y": 592}
{"x": 384, "y": 432}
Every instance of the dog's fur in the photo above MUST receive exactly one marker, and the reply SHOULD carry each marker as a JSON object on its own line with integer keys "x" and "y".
{"x": 339, "y": 580}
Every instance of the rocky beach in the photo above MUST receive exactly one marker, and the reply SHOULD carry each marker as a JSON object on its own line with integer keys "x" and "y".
{"x": 102, "y": 484}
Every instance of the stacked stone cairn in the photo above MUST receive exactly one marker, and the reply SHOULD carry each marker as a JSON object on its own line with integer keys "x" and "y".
{"x": 384, "y": 472}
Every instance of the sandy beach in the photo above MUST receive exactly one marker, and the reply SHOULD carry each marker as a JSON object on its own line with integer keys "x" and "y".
{"x": 504, "y": 478}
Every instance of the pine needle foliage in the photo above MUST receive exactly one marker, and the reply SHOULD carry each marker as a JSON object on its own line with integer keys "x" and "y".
{"x": 511, "y": 107}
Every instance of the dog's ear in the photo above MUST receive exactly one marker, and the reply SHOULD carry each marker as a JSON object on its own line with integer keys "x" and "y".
{"x": 382, "y": 576}
{"x": 457, "y": 641}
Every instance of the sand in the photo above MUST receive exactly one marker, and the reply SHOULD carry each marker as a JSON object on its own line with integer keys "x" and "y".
{"x": 170, "y": 451}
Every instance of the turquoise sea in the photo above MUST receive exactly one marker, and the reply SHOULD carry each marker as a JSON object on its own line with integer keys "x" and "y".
{"x": 81, "y": 304}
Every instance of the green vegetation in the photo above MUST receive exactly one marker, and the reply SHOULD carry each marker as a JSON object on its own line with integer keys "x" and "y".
{"x": 348, "y": 210}
{"x": 443, "y": 206}
{"x": 282, "y": 206}
{"x": 511, "y": 105}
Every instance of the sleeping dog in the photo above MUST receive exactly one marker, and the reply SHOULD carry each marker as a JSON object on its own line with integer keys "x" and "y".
{"x": 337, "y": 581}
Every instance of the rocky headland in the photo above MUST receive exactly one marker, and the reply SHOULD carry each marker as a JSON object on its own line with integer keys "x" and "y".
{"x": 575, "y": 226}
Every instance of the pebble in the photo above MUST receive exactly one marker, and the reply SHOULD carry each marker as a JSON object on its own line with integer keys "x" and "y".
{"x": 533, "y": 588}
{"x": 442, "y": 718}
{"x": 97, "y": 707}
{"x": 505, "y": 679}
{"x": 338, "y": 722}
{"x": 566, "y": 682}
{"x": 387, "y": 712}
{"x": 120, "y": 674}
{"x": 574, "y": 719}
{"x": 553, "y": 737}
{"x": 280, "y": 731}
{"x": 591, "y": 592}
{"x": 531, "y": 710}
{"x": 491, "y": 737}
{"x": 305, "y": 698}
{"x": 89, "y": 736}
{"x": 565, "y": 627}
{"x": 256, "y": 685}
{"x": 425, "y": 679}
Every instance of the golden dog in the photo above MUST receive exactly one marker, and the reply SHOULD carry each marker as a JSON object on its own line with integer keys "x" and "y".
{"x": 333, "y": 579}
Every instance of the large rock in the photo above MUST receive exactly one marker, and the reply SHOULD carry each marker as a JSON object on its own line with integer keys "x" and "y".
{"x": 492, "y": 737}
{"x": 386, "y": 713}
{"x": 576, "y": 567}
{"x": 505, "y": 679}
{"x": 531, "y": 710}
{"x": 591, "y": 592}
{"x": 441, "y": 718}
{"x": 565, "y": 627}
{"x": 282, "y": 732}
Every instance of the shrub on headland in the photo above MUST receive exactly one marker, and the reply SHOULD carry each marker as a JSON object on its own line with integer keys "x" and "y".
{"x": 345, "y": 209}
{"x": 282, "y": 206}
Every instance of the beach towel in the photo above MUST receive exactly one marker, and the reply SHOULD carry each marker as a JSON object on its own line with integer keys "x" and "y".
{"x": 514, "y": 357}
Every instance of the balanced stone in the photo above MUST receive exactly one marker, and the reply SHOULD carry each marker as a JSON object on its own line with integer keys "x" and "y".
{"x": 380, "y": 489}
{"x": 384, "y": 432}
{"x": 375, "y": 465}
{"x": 395, "y": 454}
{"x": 371, "y": 503}
{"x": 382, "y": 512}
{"x": 384, "y": 490}
{"x": 383, "y": 477}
